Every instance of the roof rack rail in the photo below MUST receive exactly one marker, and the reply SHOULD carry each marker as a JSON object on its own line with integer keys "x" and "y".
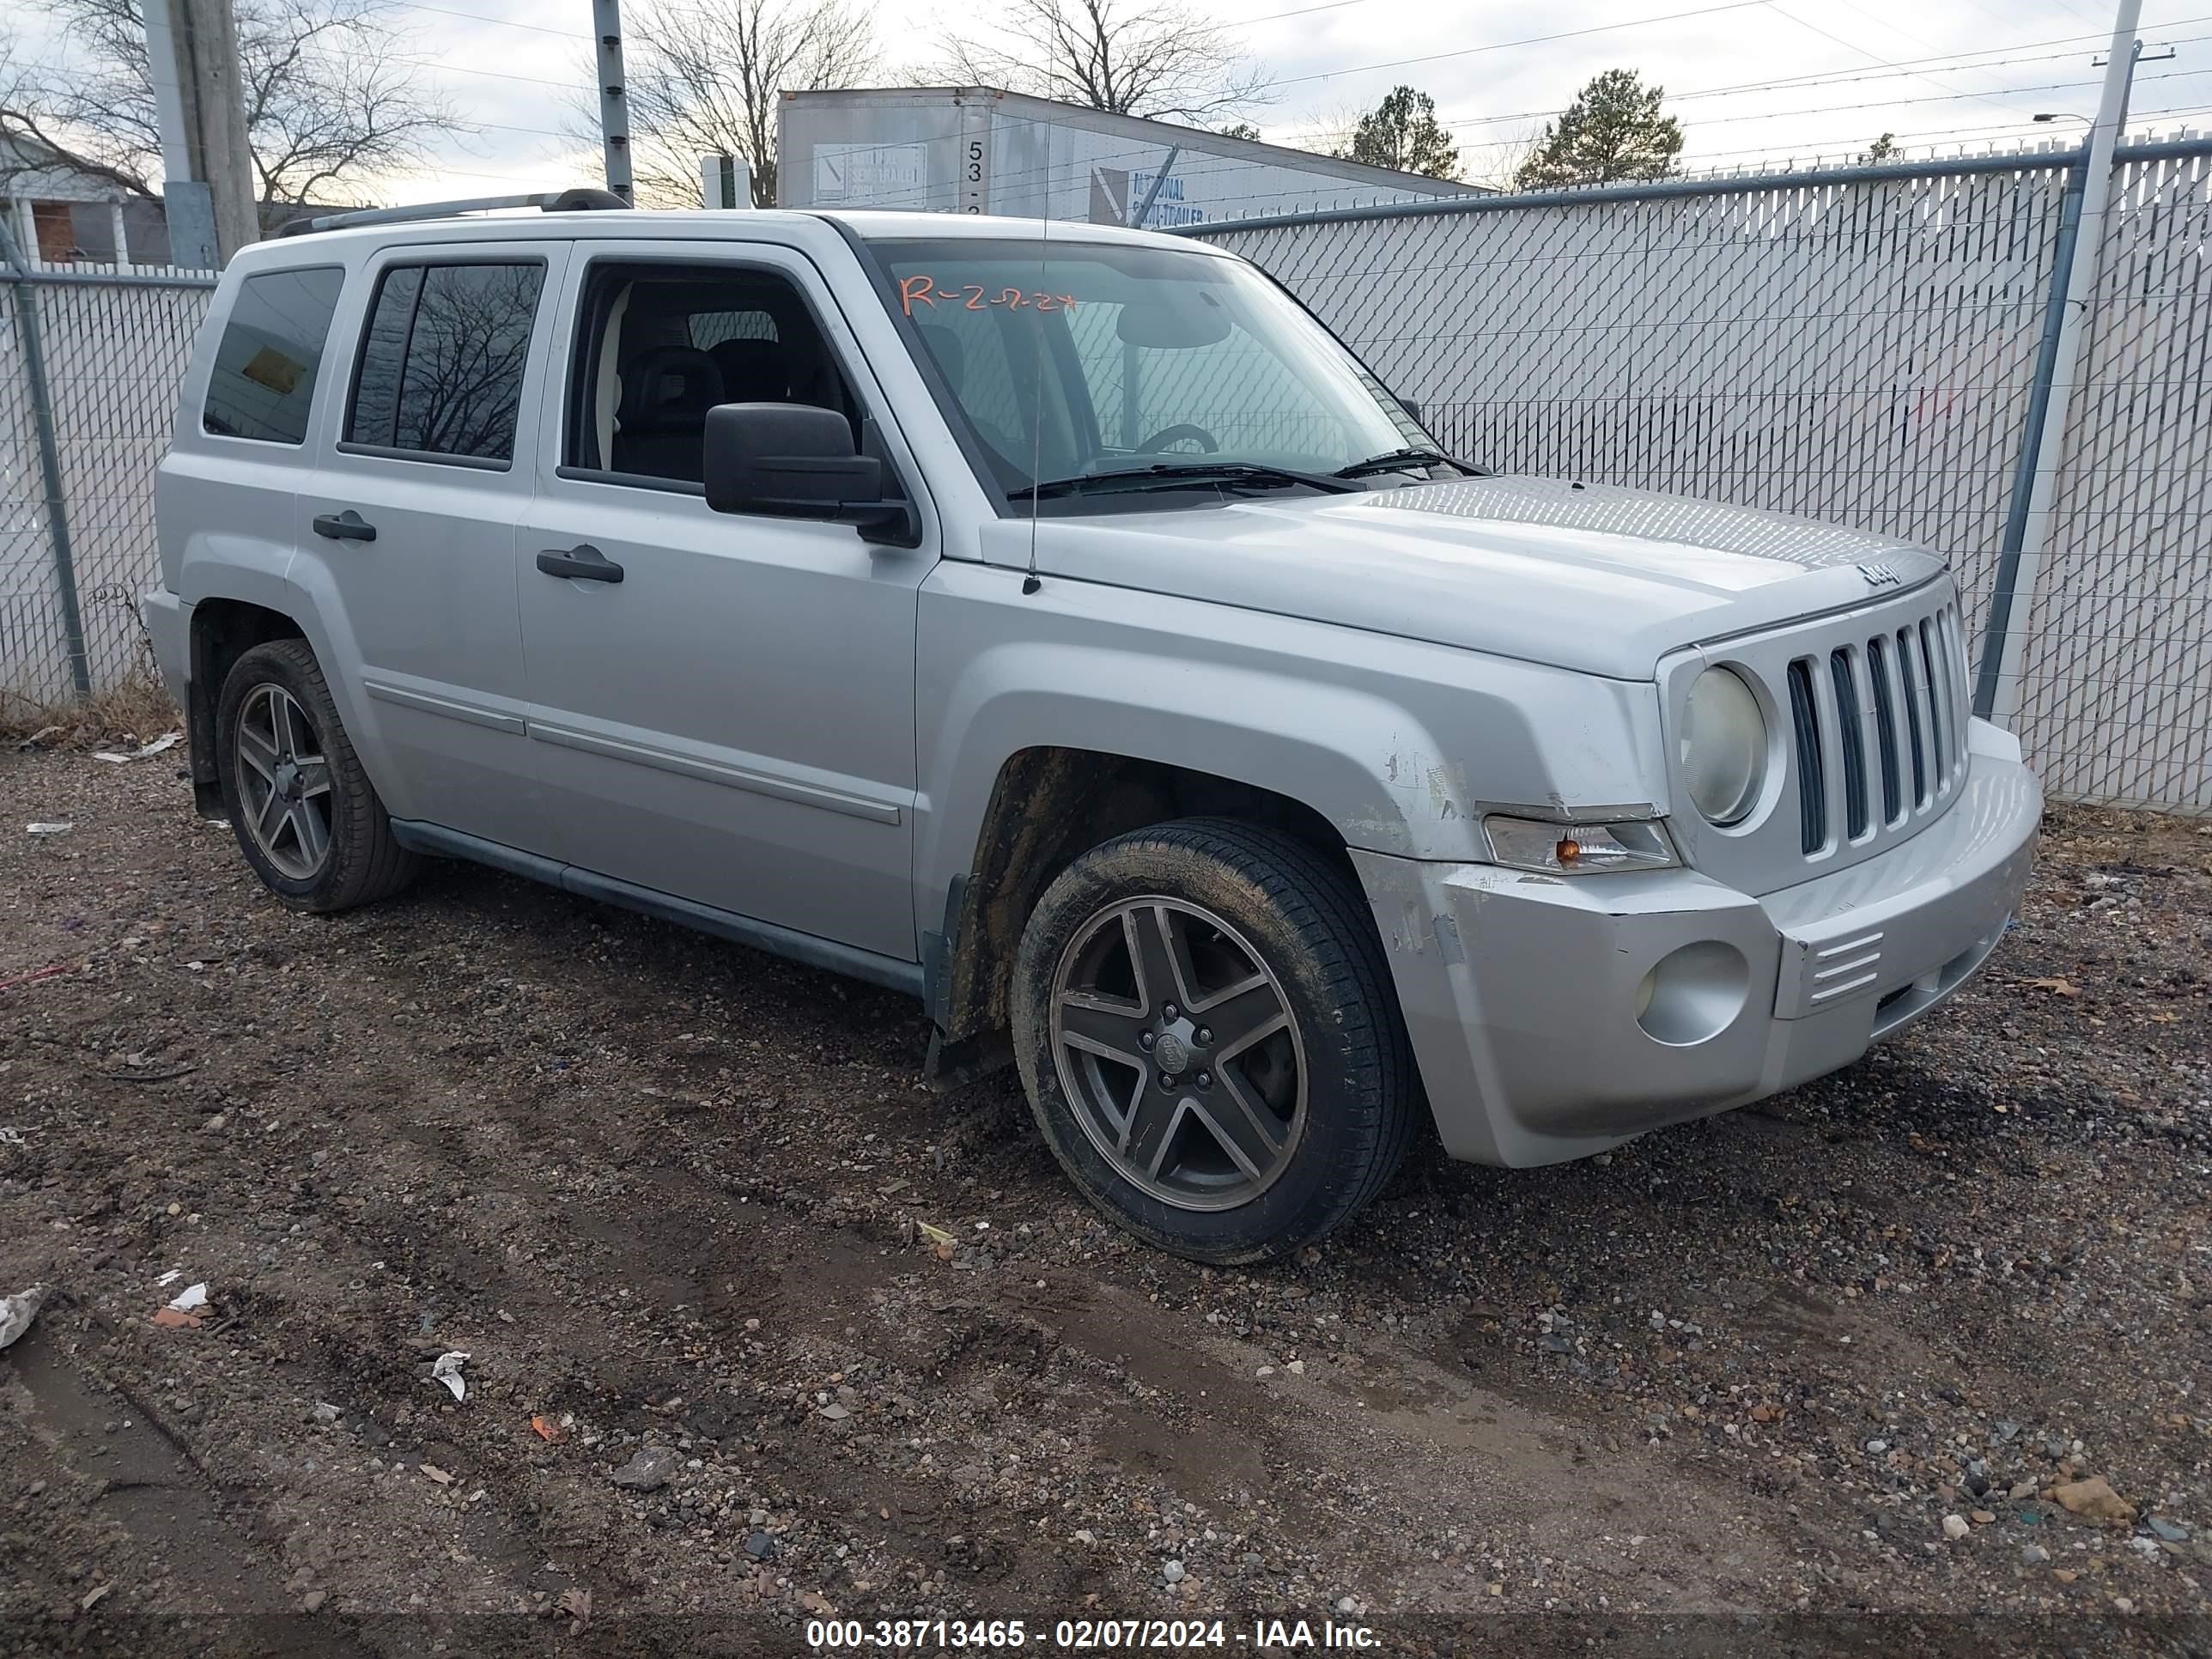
{"x": 550, "y": 201}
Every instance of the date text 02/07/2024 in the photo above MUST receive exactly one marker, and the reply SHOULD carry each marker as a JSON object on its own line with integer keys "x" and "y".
{"x": 1086, "y": 1635}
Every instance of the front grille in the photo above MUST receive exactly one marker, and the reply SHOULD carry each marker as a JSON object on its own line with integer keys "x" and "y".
{"x": 1853, "y": 753}
{"x": 1812, "y": 785}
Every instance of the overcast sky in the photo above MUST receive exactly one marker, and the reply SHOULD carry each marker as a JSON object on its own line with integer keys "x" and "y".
{"x": 2008, "y": 60}
{"x": 2019, "y": 57}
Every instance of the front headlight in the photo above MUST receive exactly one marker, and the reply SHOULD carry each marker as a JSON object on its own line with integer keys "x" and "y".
{"x": 1723, "y": 747}
{"x": 1578, "y": 849}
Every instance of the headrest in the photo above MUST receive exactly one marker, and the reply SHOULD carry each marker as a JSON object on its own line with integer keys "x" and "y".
{"x": 668, "y": 385}
{"x": 753, "y": 371}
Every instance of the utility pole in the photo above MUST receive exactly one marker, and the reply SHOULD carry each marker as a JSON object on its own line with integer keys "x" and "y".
{"x": 207, "y": 165}
{"x": 614, "y": 105}
{"x": 1997, "y": 691}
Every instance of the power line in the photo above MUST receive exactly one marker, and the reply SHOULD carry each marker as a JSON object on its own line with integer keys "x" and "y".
{"x": 1302, "y": 11}
{"x": 1931, "y": 98}
{"x": 498, "y": 22}
{"x": 1849, "y": 47}
{"x": 1740, "y": 89}
{"x": 1690, "y": 160}
{"x": 1507, "y": 45}
{"x": 1827, "y": 77}
{"x": 1921, "y": 40}
{"x": 496, "y": 74}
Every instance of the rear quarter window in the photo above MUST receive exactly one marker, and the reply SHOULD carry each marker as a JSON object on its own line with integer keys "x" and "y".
{"x": 442, "y": 360}
{"x": 262, "y": 383}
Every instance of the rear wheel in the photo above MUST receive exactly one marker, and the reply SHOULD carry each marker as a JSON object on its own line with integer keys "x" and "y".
{"x": 305, "y": 813}
{"x": 1206, "y": 1031}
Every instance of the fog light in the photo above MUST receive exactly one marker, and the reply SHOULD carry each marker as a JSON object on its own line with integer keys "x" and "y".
{"x": 1694, "y": 993}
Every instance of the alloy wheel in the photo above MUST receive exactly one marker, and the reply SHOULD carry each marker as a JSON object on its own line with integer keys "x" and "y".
{"x": 1178, "y": 1047}
{"x": 283, "y": 782}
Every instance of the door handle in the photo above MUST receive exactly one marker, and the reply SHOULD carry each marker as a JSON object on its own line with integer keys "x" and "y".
{"x": 346, "y": 526}
{"x": 582, "y": 564}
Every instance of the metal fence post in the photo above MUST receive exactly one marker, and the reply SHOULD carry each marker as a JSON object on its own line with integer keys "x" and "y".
{"x": 18, "y": 271}
{"x": 1997, "y": 627}
{"x": 2028, "y": 524}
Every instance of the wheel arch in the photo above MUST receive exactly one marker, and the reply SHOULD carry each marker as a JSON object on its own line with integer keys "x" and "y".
{"x": 1048, "y": 804}
{"x": 222, "y": 631}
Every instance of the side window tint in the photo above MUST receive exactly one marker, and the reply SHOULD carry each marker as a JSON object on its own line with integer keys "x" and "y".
{"x": 708, "y": 329}
{"x": 661, "y": 344}
{"x": 383, "y": 355}
{"x": 443, "y": 359}
{"x": 272, "y": 350}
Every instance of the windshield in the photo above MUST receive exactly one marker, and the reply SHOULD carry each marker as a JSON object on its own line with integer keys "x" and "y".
{"x": 1064, "y": 363}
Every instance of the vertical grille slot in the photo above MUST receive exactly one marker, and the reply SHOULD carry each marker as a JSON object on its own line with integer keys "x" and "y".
{"x": 1877, "y": 724}
{"x": 1920, "y": 786}
{"x": 1938, "y": 694}
{"x": 1853, "y": 742}
{"x": 1811, "y": 780}
{"x": 1885, "y": 727}
{"x": 1955, "y": 649}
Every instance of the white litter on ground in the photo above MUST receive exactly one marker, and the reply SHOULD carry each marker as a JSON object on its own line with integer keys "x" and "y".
{"x": 167, "y": 741}
{"x": 17, "y": 1311}
{"x": 447, "y": 1370}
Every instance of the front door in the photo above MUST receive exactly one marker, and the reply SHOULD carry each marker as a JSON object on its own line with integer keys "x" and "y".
{"x": 722, "y": 705}
{"x": 407, "y": 528}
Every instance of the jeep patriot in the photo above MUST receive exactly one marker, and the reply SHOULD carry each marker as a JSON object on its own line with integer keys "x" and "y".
{"x": 1068, "y": 631}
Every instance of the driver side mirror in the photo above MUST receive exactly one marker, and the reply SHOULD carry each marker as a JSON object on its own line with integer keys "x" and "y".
{"x": 799, "y": 461}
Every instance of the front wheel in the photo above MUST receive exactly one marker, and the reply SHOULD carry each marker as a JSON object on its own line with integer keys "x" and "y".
{"x": 1205, "y": 1029}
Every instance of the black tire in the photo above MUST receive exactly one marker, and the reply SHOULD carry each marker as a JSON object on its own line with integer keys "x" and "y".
{"x": 362, "y": 861}
{"x": 1306, "y": 924}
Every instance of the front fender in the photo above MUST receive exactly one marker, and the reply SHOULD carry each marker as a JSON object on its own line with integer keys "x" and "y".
{"x": 1400, "y": 745}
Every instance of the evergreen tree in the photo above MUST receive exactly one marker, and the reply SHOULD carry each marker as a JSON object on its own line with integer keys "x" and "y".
{"x": 1613, "y": 130}
{"x": 1402, "y": 131}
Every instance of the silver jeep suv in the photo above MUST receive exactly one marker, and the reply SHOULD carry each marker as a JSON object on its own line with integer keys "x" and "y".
{"x": 1071, "y": 633}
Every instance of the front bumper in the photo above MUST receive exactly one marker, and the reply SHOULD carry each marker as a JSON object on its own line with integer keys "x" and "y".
{"x": 1523, "y": 993}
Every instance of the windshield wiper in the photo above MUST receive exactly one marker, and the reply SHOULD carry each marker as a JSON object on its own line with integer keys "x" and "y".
{"x": 1172, "y": 474}
{"x": 1403, "y": 460}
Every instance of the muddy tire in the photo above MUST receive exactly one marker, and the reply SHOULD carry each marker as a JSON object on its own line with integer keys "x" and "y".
{"x": 1208, "y": 1033}
{"x": 305, "y": 813}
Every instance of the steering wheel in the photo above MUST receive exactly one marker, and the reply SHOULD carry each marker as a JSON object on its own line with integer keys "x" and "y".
{"x": 1173, "y": 434}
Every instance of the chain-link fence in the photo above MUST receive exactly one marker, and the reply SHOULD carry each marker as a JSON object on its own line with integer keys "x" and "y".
{"x": 90, "y": 369}
{"x": 1864, "y": 345}
{"x": 2116, "y": 685}
{"x": 1861, "y": 345}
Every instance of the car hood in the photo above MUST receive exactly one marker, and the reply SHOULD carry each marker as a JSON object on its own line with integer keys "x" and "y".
{"x": 1584, "y": 576}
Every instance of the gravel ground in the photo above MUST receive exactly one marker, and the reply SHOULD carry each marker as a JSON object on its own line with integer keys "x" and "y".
{"x": 1811, "y": 1371}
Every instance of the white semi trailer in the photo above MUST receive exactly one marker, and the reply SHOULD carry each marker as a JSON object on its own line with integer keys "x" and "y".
{"x": 974, "y": 149}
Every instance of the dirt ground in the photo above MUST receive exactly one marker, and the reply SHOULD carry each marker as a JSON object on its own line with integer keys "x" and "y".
{"x": 1720, "y": 1390}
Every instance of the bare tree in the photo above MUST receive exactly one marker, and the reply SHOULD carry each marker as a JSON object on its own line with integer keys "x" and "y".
{"x": 1330, "y": 130}
{"x": 1496, "y": 162}
{"x": 703, "y": 78}
{"x": 1160, "y": 59}
{"x": 332, "y": 100}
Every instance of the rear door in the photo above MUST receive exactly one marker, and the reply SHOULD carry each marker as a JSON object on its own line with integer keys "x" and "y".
{"x": 732, "y": 722}
{"x": 407, "y": 528}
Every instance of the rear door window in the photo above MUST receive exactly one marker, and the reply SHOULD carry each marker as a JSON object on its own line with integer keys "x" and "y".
{"x": 262, "y": 383}
{"x": 442, "y": 360}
